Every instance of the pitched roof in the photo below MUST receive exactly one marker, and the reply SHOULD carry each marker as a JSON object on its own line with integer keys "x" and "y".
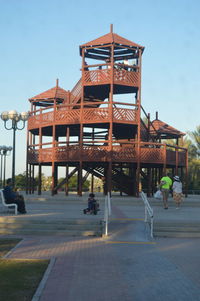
{"x": 164, "y": 129}
{"x": 110, "y": 38}
{"x": 52, "y": 93}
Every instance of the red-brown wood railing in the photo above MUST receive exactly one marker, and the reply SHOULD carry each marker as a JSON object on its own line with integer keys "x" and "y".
{"x": 63, "y": 115}
{"x": 121, "y": 76}
{"x": 150, "y": 153}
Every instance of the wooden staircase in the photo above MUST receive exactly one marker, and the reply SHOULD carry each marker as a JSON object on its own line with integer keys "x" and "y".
{"x": 75, "y": 96}
{"x": 122, "y": 181}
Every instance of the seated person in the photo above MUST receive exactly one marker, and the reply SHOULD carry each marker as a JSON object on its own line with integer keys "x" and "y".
{"x": 92, "y": 205}
{"x": 91, "y": 201}
{"x": 14, "y": 197}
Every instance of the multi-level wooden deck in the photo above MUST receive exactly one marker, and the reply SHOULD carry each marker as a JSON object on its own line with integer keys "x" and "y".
{"x": 90, "y": 129}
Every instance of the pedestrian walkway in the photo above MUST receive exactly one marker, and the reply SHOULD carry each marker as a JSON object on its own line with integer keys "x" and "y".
{"x": 126, "y": 266}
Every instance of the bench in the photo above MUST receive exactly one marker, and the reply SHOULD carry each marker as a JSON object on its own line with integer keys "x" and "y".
{"x": 9, "y": 206}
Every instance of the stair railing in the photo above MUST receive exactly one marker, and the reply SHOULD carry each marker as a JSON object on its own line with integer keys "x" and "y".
{"x": 76, "y": 92}
{"x": 150, "y": 123}
{"x": 107, "y": 213}
{"x": 147, "y": 211}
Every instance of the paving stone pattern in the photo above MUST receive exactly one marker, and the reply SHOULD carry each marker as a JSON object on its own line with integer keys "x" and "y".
{"x": 112, "y": 269}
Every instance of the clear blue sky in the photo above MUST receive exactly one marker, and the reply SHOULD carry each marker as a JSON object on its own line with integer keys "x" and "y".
{"x": 40, "y": 42}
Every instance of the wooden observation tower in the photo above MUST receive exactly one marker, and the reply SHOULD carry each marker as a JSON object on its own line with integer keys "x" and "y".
{"x": 97, "y": 128}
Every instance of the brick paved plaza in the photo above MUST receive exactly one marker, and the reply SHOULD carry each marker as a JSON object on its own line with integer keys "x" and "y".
{"x": 127, "y": 265}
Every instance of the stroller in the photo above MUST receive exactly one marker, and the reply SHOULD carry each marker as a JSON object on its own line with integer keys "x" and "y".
{"x": 93, "y": 205}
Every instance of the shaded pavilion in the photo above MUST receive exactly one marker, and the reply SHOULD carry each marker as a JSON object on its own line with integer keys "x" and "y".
{"x": 98, "y": 128}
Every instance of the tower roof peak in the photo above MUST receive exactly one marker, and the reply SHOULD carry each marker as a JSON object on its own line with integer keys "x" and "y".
{"x": 111, "y": 38}
{"x": 47, "y": 96}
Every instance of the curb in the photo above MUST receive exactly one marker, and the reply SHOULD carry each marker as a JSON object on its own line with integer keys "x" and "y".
{"x": 13, "y": 249}
{"x": 42, "y": 284}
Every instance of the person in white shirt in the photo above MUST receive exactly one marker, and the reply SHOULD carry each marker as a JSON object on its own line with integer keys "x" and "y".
{"x": 126, "y": 63}
{"x": 177, "y": 191}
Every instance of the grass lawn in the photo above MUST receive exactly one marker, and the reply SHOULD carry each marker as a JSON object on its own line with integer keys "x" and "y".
{"x": 19, "y": 278}
{"x": 6, "y": 245}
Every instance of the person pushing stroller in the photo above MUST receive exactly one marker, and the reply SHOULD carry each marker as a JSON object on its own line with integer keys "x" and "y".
{"x": 93, "y": 205}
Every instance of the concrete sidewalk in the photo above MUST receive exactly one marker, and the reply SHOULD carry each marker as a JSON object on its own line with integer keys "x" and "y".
{"x": 126, "y": 266}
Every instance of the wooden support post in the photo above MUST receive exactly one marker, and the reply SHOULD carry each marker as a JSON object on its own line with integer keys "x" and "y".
{"x": 152, "y": 181}
{"x": 92, "y": 176}
{"x": 53, "y": 178}
{"x": 165, "y": 158}
{"x": 139, "y": 126}
{"x": 160, "y": 174}
{"x": 138, "y": 174}
{"x": 68, "y": 136}
{"x": 33, "y": 180}
{"x": 39, "y": 179}
{"x": 176, "y": 161}
{"x": 133, "y": 176}
{"x": 80, "y": 170}
{"x": 156, "y": 182}
{"x": 110, "y": 134}
{"x": 67, "y": 180}
{"x": 67, "y": 165}
{"x": 40, "y": 166}
{"x": 29, "y": 178}
{"x": 92, "y": 183}
{"x": 80, "y": 175}
{"x": 121, "y": 171}
{"x": 174, "y": 172}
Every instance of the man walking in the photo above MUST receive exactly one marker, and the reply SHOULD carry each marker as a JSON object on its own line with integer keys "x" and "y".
{"x": 165, "y": 184}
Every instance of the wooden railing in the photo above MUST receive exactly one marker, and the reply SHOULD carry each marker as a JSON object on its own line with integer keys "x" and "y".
{"x": 151, "y": 153}
{"x": 96, "y": 77}
{"x": 125, "y": 115}
{"x": 91, "y": 115}
{"x": 75, "y": 94}
{"x": 67, "y": 117}
{"x": 126, "y": 77}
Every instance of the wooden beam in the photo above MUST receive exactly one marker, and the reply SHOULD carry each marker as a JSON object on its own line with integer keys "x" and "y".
{"x": 96, "y": 57}
{"x": 127, "y": 51}
{"x": 97, "y": 51}
{"x": 127, "y": 57}
{"x": 66, "y": 179}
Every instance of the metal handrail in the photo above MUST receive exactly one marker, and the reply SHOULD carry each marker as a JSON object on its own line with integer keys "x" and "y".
{"x": 107, "y": 213}
{"x": 147, "y": 211}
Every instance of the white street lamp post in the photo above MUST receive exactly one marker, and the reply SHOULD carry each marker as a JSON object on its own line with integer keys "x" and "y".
{"x": 15, "y": 117}
{"x": 4, "y": 151}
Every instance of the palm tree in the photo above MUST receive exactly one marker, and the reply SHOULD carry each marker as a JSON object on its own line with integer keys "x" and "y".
{"x": 195, "y": 135}
{"x": 185, "y": 143}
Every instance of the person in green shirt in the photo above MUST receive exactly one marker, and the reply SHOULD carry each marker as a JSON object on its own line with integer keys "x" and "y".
{"x": 165, "y": 184}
